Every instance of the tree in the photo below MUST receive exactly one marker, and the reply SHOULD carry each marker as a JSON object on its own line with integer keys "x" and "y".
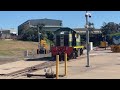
{"x": 50, "y": 35}
{"x": 109, "y": 28}
{"x": 29, "y": 35}
{"x": 42, "y": 31}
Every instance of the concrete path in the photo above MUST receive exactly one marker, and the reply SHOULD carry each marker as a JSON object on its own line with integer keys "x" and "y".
{"x": 18, "y": 65}
{"x": 104, "y": 65}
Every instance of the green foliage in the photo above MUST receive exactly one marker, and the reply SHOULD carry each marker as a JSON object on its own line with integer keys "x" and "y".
{"x": 29, "y": 35}
{"x": 32, "y": 35}
{"x": 50, "y": 35}
{"x": 116, "y": 34}
{"x": 110, "y": 28}
{"x": 95, "y": 38}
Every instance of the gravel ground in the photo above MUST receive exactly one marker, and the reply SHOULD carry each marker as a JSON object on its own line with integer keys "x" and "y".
{"x": 6, "y": 59}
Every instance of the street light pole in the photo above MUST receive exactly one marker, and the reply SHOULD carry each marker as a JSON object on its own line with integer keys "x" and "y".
{"x": 39, "y": 26}
{"x": 39, "y": 39}
{"x": 87, "y": 37}
{"x": 105, "y": 42}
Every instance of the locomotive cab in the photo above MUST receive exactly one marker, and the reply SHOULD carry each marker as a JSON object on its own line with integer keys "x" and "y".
{"x": 67, "y": 41}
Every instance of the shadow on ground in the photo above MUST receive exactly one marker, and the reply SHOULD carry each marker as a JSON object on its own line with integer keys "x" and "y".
{"x": 40, "y": 59}
{"x": 112, "y": 52}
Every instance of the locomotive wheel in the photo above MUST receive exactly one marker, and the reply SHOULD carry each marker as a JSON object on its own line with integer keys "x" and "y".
{"x": 38, "y": 51}
{"x": 81, "y": 51}
{"x": 76, "y": 52}
{"x": 74, "y": 55}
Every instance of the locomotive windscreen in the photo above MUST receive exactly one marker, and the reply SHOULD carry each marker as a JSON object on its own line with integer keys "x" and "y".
{"x": 65, "y": 37}
{"x": 57, "y": 40}
{"x": 66, "y": 40}
{"x": 62, "y": 40}
{"x": 73, "y": 39}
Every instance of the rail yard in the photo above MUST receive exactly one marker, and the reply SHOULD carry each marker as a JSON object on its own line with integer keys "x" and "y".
{"x": 103, "y": 64}
{"x": 45, "y": 49}
{"x": 67, "y": 59}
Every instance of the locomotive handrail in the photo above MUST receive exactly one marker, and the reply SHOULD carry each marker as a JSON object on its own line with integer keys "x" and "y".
{"x": 78, "y": 47}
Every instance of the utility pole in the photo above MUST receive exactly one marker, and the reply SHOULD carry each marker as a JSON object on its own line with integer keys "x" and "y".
{"x": 105, "y": 42}
{"x": 87, "y": 36}
{"x": 39, "y": 27}
{"x": 38, "y": 38}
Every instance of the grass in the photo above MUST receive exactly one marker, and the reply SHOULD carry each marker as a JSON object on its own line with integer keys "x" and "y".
{"x": 116, "y": 34}
{"x": 16, "y": 48}
{"x": 5, "y": 53}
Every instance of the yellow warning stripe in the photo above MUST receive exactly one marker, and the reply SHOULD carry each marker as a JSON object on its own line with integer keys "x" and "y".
{"x": 78, "y": 47}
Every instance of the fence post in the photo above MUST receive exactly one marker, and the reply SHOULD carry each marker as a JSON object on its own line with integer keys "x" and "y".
{"x": 26, "y": 53}
{"x": 57, "y": 66}
{"x": 65, "y": 59}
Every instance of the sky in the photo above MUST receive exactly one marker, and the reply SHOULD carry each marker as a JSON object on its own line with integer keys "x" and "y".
{"x": 72, "y": 19}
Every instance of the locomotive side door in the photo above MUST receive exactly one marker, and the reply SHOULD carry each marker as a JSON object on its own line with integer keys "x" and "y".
{"x": 73, "y": 39}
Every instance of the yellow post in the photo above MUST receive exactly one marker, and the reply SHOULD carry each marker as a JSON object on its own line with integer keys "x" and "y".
{"x": 65, "y": 59}
{"x": 57, "y": 66}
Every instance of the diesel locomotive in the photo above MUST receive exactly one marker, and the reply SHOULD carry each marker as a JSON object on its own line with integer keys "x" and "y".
{"x": 68, "y": 41}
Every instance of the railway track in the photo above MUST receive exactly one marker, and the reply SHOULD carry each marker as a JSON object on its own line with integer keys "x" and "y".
{"x": 24, "y": 72}
{"x": 27, "y": 70}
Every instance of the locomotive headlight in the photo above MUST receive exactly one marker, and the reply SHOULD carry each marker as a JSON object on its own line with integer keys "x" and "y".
{"x": 61, "y": 32}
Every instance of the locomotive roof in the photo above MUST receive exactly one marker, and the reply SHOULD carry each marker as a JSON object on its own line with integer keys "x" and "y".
{"x": 65, "y": 29}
